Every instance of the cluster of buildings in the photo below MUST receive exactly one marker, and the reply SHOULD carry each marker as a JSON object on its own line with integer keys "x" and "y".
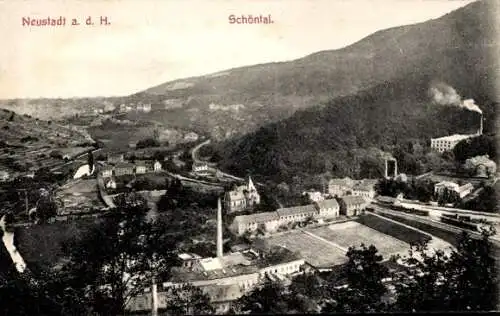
{"x": 117, "y": 166}
{"x": 241, "y": 197}
{"x": 348, "y": 186}
{"x": 224, "y": 278}
{"x": 460, "y": 190}
{"x": 141, "y": 107}
{"x": 269, "y": 222}
{"x": 447, "y": 143}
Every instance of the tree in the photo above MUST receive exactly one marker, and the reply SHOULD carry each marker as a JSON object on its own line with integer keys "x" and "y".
{"x": 364, "y": 289}
{"x": 188, "y": 300}
{"x": 90, "y": 160}
{"x": 148, "y": 142}
{"x": 465, "y": 280}
{"x": 268, "y": 298}
{"x": 120, "y": 258}
{"x": 306, "y": 291}
{"x": 46, "y": 207}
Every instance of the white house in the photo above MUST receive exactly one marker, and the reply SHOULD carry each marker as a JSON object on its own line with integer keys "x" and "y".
{"x": 200, "y": 167}
{"x": 4, "y": 175}
{"x": 462, "y": 191}
{"x": 328, "y": 208}
{"x": 447, "y": 143}
{"x": 140, "y": 167}
{"x": 314, "y": 196}
{"x": 353, "y": 205}
{"x": 296, "y": 213}
{"x": 268, "y": 222}
{"x": 157, "y": 166}
{"x": 364, "y": 188}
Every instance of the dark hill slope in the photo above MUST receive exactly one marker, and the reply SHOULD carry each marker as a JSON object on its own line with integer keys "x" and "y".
{"x": 458, "y": 48}
{"x": 459, "y": 44}
{"x": 330, "y": 138}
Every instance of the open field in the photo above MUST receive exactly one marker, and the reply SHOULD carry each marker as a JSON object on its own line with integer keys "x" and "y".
{"x": 81, "y": 186}
{"x": 354, "y": 234}
{"x": 316, "y": 252}
{"x": 42, "y": 245}
{"x": 79, "y": 196}
{"x": 400, "y": 232}
{"x": 27, "y": 143}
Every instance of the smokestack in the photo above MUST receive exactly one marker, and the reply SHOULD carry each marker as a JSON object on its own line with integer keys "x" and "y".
{"x": 219, "y": 230}
{"x": 154, "y": 297}
{"x": 481, "y": 125}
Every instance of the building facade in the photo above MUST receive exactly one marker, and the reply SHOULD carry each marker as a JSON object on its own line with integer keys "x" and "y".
{"x": 313, "y": 196}
{"x": 122, "y": 169}
{"x": 328, "y": 208}
{"x": 447, "y": 143}
{"x": 241, "y": 197}
{"x": 364, "y": 188}
{"x": 461, "y": 191}
{"x": 353, "y": 205}
{"x": 157, "y": 166}
{"x": 340, "y": 187}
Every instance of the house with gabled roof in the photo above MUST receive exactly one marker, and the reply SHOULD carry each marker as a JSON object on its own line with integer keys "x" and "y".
{"x": 353, "y": 205}
{"x": 328, "y": 208}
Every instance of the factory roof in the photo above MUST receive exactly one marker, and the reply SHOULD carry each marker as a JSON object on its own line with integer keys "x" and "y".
{"x": 365, "y": 185}
{"x": 189, "y": 256}
{"x": 140, "y": 163}
{"x": 343, "y": 182}
{"x": 330, "y": 203}
{"x": 218, "y": 272}
{"x": 455, "y": 137}
{"x": 353, "y": 199}
{"x": 296, "y": 210}
{"x": 257, "y": 218}
{"x": 124, "y": 165}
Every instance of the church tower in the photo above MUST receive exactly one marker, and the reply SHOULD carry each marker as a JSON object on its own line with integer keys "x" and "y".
{"x": 250, "y": 185}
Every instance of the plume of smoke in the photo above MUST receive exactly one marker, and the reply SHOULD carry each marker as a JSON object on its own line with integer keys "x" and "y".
{"x": 443, "y": 94}
{"x": 471, "y": 106}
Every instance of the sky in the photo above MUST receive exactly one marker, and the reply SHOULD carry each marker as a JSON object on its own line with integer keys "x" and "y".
{"x": 149, "y": 42}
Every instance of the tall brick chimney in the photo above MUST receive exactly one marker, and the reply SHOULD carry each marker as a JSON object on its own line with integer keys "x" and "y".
{"x": 220, "y": 251}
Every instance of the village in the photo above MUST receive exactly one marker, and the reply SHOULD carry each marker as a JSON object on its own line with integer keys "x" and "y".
{"x": 301, "y": 171}
{"x": 312, "y": 236}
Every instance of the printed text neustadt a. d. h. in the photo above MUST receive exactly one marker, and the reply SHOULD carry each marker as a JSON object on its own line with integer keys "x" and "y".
{"x": 250, "y": 19}
{"x": 63, "y": 21}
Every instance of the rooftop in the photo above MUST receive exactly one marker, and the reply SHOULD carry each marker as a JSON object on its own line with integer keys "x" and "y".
{"x": 344, "y": 181}
{"x": 257, "y": 218}
{"x": 124, "y": 165}
{"x": 188, "y": 256}
{"x": 296, "y": 210}
{"x": 330, "y": 203}
{"x": 353, "y": 199}
{"x": 454, "y": 137}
